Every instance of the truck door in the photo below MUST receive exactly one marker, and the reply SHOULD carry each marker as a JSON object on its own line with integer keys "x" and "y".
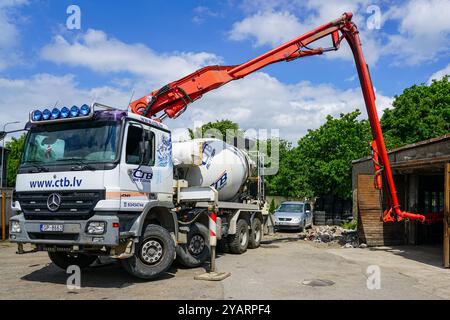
{"x": 141, "y": 178}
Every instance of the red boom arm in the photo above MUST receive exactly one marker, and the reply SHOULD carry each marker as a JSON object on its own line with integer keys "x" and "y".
{"x": 173, "y": 98}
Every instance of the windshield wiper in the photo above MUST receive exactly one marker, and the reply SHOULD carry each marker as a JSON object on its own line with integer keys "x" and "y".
{"x": 80, "y": 162}
{"x": 36, "y": 165}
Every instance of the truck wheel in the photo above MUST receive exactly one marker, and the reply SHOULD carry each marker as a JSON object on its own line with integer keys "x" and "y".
{"x": 64, "y": 260}
{"x": 238, "y": 242}
{"x": 256, "y": 234}
{"x": 154, "y": 254}
{"x": 196, "y": 251}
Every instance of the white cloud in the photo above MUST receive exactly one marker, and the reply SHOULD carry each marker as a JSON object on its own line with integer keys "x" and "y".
{"x": 258, "y": 102}
{"x": 20, "y": 96}
{"x": 274, "y": 25}
{"x": 269, "y": 27}
{"x": 438, "y": 75}
{"x": 263, "y": 102}
{"x": 9, "y": 33}
{"x": 202, "y": 13}
{"x": 95, "y": 50}
{"x": 423, "y": 32}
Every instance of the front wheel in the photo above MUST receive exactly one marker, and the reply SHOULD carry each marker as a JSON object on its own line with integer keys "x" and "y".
{"x": 195, "y": 252}
{"x": 64, "y": 260}
{"x": 154, "y": 254}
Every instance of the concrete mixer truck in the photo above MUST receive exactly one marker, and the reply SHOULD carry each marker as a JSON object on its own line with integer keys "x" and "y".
{"x": 97, "y": 181}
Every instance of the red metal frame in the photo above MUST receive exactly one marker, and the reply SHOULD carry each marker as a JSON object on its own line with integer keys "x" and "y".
{"x": 173, "y": 98}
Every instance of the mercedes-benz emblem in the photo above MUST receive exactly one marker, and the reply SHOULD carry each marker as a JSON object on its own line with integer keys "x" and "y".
{"x": 53, "y": 202}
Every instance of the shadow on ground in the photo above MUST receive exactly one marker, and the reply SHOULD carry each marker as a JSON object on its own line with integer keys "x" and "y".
{"x": 427, "y": 254}
{"x": 280, "y": 237}
{"x": 110, "y": 275}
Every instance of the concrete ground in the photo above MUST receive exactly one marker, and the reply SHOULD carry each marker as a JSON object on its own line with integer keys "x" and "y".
{"x": 277, "y": 270}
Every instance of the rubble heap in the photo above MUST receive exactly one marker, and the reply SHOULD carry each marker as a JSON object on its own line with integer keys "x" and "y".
{"x": 332, "y": 234}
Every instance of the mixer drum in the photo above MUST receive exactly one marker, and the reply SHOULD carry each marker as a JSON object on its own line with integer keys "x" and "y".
{"x": 212, "y": 162}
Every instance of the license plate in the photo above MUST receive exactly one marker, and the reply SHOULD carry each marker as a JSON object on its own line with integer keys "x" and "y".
{"x": 52, "y": 227}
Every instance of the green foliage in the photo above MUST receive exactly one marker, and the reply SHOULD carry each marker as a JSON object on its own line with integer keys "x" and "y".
{"x": 324, "y": 156}
{"x": 221, "y": 126}
{"x": 281, "y": 183}
{"x": 321, "y": 163}
{"x": 419, "y": 113}
{"x": 273, "y": 206}
{"x": 352, "y": 225}
{"x": 15, "y": 147}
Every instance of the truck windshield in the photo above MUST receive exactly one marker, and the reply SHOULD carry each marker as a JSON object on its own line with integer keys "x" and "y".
{"x": 291, "y": 207}
{"x": 72, "y": 142}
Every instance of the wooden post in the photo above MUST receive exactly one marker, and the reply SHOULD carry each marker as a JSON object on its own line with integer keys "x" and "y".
{"x": 3, "y": 216}
{"x": 447, "y": 217}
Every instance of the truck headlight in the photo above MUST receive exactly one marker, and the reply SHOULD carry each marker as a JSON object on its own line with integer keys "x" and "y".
{"x": 96, "y": 227}
{"x": 15, "y": 227}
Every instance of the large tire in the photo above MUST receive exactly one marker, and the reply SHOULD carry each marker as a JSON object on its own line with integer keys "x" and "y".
{"x": 256, "y": 234}
{"x": 154, "y": 254}
{"x": 238, "y": 243}
{"x": 64, "y": 260}
{"x": 195, "y": 252}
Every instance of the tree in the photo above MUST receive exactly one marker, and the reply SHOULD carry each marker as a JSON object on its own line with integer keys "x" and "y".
{"x": 321, "y": 163}
{"x": 15, "y": 147}
{"x": 323, "y": 158}
{"x": 419, "y": 113}
{"x": 221, "y": 126}
{"x": 280, "y": 183}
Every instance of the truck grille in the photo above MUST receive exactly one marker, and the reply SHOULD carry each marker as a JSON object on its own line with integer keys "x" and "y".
{"x": 75, "y": 205}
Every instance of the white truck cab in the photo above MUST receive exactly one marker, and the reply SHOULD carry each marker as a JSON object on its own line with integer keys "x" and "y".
{"x": 100, "y": 181}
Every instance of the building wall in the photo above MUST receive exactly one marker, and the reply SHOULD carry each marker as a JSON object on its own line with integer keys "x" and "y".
{"x": 409, "y": 164}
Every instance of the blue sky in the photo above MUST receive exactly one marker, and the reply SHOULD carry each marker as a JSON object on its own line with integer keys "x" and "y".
{"x": 140, "y": 45}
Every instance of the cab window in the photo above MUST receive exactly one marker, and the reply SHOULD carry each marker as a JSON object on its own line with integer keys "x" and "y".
{"x": 133, "y": 153}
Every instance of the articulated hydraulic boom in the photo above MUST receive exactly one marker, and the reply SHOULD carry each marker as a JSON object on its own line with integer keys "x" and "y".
{"x": 172, "y": 99}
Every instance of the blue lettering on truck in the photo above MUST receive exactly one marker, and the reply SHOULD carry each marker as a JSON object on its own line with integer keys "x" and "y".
{"x": 56, "y": 183}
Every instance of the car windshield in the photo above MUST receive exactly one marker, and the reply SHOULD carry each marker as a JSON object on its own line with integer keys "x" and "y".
{"x": 291, "y": 207}
{"x": 72, "y": 142}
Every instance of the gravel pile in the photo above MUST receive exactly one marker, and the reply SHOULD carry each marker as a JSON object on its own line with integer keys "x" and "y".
{"x": 332, "y": 234}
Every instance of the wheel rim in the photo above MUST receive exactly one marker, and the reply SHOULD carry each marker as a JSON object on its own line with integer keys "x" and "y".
{"x": 244, "y": 237}
{"x": 151, "y": 251}
{"x": 196, "y": 245}
{"x": 257, "y": 234}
